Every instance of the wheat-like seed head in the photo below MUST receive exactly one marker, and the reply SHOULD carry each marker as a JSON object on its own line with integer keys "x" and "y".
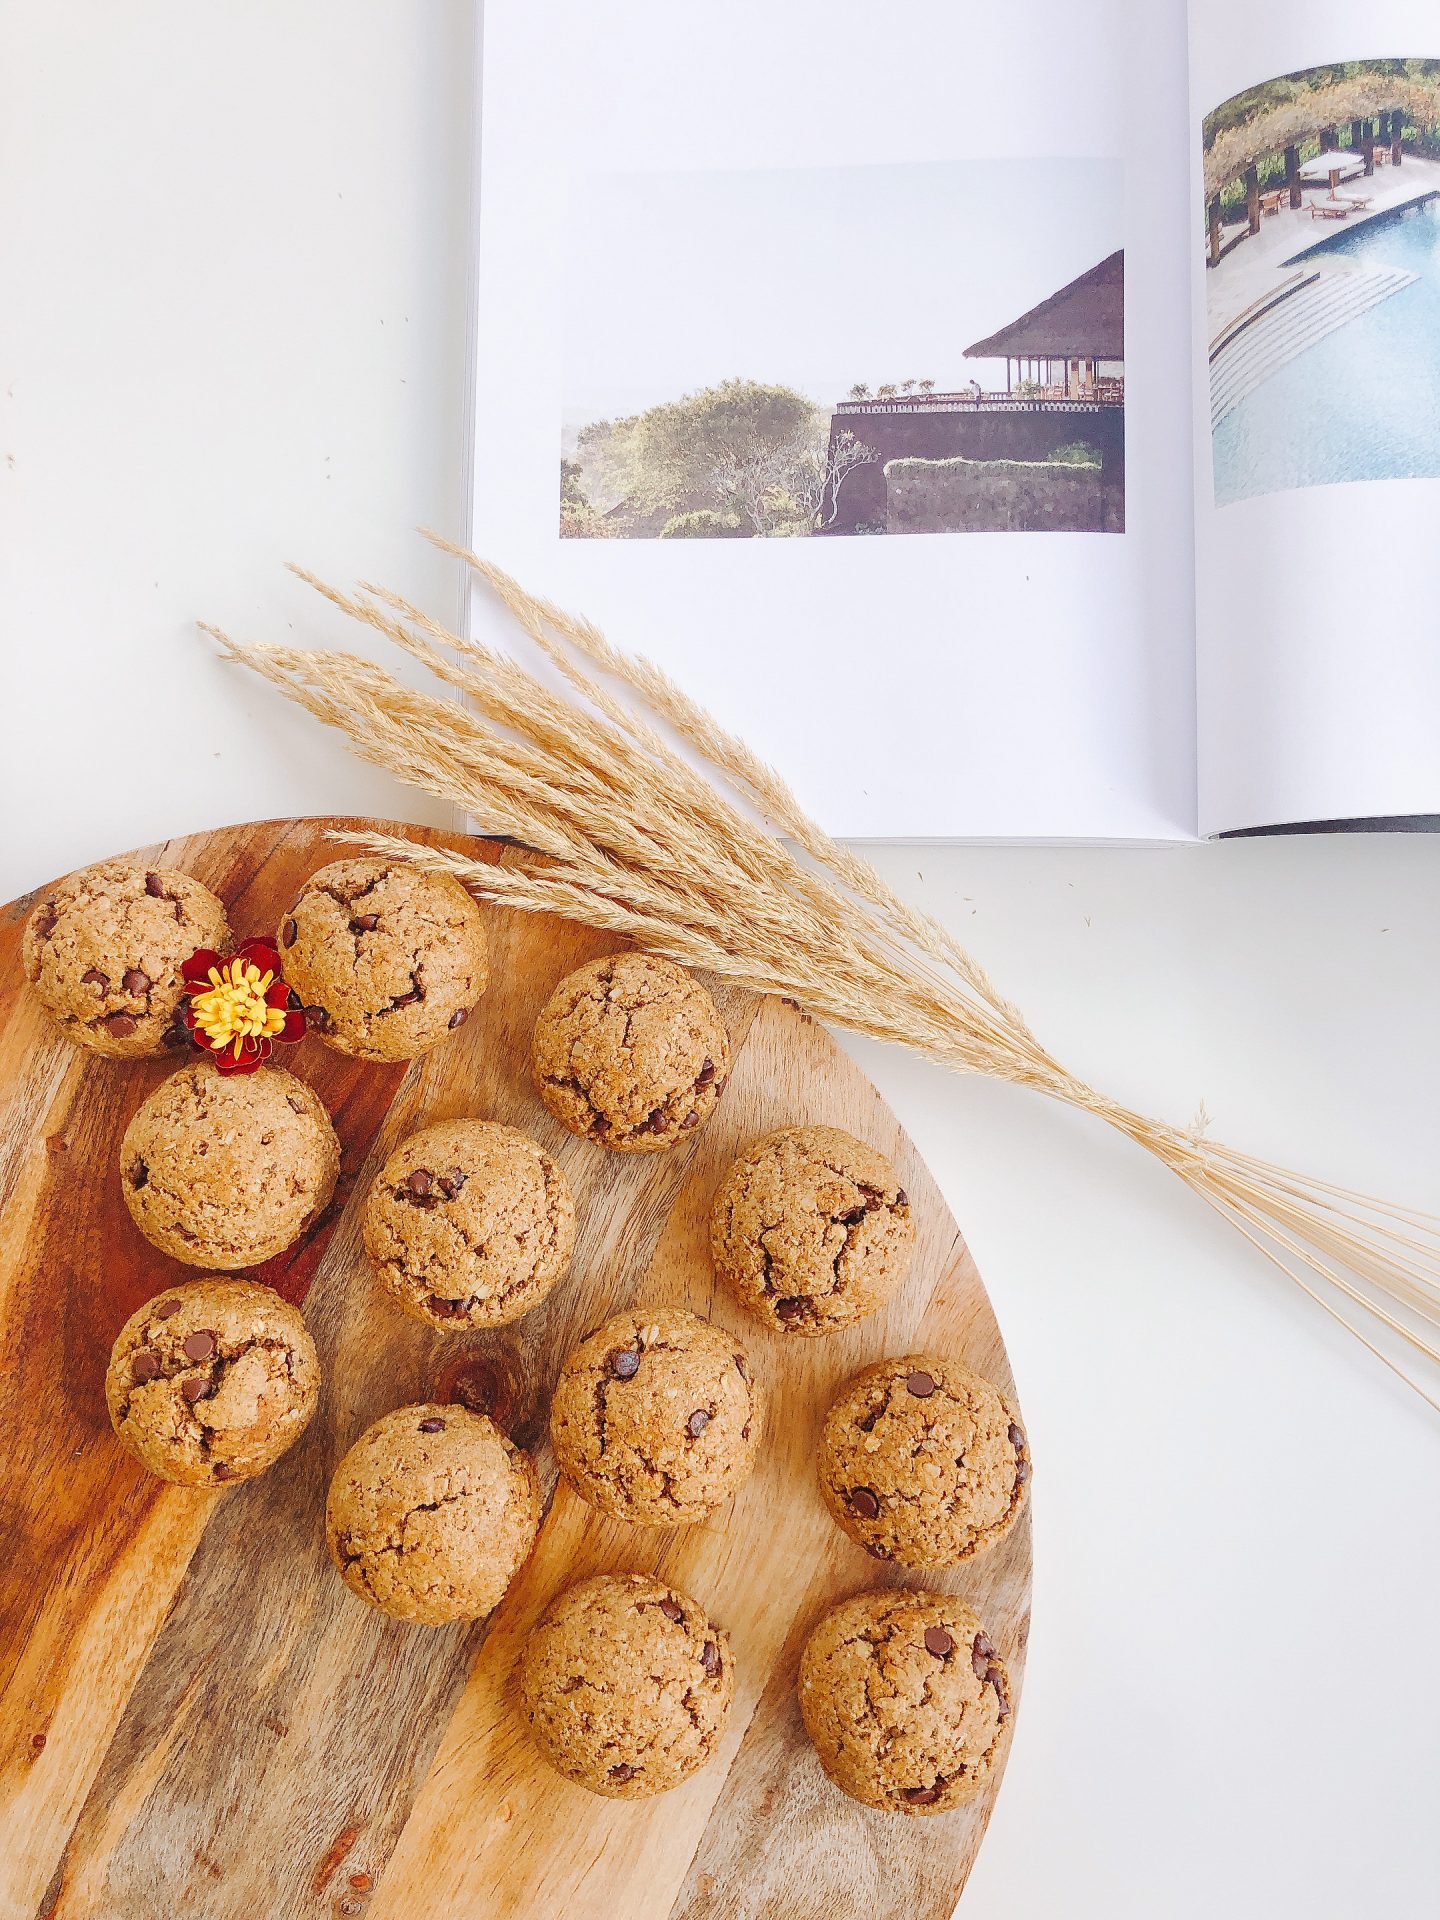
{"x": 721, "y": 869}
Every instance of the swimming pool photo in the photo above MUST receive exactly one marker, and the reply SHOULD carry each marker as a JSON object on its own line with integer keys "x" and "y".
{"x": 1322, "y": 238}
{"x": 1361, "y": 402}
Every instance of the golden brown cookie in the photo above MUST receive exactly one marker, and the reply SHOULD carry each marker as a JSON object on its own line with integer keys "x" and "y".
{"x": 469, "y": 1224}
{"x": 212, "y": 1381}
{"x": 431, "y": 1514}
{"x": 104, "y": 949}
{"x": 811, "y": 1229}
{"x": 631, "y": 1052}
{"x": 905, "y": 1700}
{"x": 626, "y": 1684}
{"x": 228, "y": 1170}
{"x": 395, "y": 956}
{"x": 657, "y": 1418}
{"x": 923, "y": 1462}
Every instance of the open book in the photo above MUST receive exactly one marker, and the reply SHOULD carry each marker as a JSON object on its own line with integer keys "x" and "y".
{"x": 1018, "y": 422}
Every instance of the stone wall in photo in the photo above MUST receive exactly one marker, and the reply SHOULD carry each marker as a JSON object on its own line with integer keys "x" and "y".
{"x": 996, "y": 496}
{"x": 986, "y": 437}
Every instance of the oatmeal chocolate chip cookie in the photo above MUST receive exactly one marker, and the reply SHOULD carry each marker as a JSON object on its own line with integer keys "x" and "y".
{"x": 469, "y": 1224}
{"x": 104, "y": 949}
{"x": 630, "y": 1051}
{"x": 905, "y": 1700}
{"x": 395, "y": 956}
{"x": 212, "y": 1381}
{"x": 923, "y": 1462}
{"x": 626, "y": 1684}
{"x": 431, "y": 1514}
{"x": 811, "y": 1229}
{"x": 227, "y": 1171}
{"x": 656, "y": 1418}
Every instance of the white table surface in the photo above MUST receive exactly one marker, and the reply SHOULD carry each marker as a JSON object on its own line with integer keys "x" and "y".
{"x": 232, "y": 333}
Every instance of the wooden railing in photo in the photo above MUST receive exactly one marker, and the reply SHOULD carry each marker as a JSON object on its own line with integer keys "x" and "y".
{"x": 1105, "y": 392}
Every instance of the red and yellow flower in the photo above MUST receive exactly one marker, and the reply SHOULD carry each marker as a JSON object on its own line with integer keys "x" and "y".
{"x": 238, "y": 1005}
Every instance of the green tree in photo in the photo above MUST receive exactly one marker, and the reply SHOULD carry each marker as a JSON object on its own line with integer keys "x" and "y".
{"x": 1076, "y": 453}
{"x": 669, "y": 455}
{"x": 578, "y": 518}
{"x": 599, "y": 457}
{"x": 742, "y": 451}
{"x": 703, "y": 524}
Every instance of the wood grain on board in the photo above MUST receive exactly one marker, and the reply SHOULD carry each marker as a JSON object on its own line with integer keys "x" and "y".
{"x": 197, "y": 1716}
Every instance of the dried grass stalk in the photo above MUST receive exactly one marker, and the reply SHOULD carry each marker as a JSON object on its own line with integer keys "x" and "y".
{"x": 638, "y": 842}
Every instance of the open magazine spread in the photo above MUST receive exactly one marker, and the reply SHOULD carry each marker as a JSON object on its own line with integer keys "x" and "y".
{"x": 1127, "y": 320}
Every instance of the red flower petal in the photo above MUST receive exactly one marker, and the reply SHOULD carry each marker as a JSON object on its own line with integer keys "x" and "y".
{"x": 253, "y": 1053}
{"x": 295, "y": 1025}
{"x": 264, "y": 953}
{"x": 277, "y": 994}
{"x": 202, "y": 1039}
{"x": 196, "y": 970}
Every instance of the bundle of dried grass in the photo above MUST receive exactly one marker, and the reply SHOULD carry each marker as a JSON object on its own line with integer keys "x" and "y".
{"x": 639, "y": 843}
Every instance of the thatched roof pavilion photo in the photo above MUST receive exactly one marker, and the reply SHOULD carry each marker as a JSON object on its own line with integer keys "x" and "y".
{"x": 1045, "y": 452}
{"x": 1071, "y": 340}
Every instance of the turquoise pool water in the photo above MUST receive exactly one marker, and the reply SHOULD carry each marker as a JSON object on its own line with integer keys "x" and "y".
{"x": 1362, "y": 404}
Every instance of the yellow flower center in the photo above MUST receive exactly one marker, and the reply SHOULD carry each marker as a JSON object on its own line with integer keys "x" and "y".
{"x": 232, "y": 1007}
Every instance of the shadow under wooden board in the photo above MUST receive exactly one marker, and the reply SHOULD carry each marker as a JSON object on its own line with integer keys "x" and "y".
{"x": 197, "y": 1716}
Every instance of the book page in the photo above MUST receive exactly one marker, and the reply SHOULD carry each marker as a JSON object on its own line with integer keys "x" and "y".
{"x": 835, "y": 357}
{"x": 1316, "y": 224}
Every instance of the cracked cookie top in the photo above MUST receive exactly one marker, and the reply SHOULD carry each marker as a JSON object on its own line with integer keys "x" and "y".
{"x": 228, "y": 1171}
{"x": 656, "y": 1418}
{"x": 631, "y": 1052}
{"x": 923, "y": 1462}
{"x": 104, "y": 949}
{"x": 212, "y": 1381}
{"x": 469, "y": 1224}
{"x": 431, "y": 1514}
{"x": 396, "y": 957}
{"x": 905, "y": 1700}
{"x": 811, "y": 1229}
{"x": 626, "y": 1683}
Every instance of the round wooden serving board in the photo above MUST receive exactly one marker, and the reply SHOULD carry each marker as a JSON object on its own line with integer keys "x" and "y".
{"x": 197, "y": 1717}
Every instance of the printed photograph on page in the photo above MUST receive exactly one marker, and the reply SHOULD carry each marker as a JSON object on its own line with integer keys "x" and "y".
{"x": 818, "y": 352}
{"x": 1321, "y": 230}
